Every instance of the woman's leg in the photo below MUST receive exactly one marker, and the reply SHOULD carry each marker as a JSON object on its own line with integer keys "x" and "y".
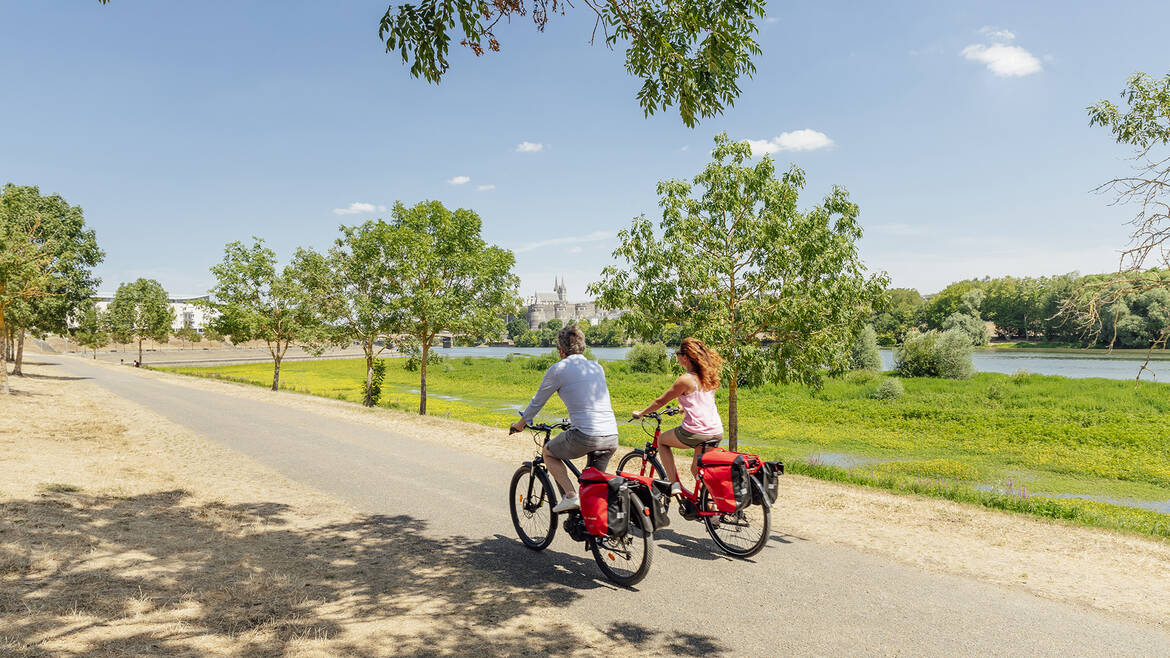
{"x": 666, "y": 441}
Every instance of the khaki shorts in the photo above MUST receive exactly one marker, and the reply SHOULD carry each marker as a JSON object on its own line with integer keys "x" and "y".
{"x": 572, "y": 444}
{"x": 692, "y": 440}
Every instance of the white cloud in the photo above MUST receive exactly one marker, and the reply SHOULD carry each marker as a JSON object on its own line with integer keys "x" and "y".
{"x": 358, "y": 208}
{"x": 575, "y": 250}
{"x": 459, "y": 180}
{"x": 529, "y": 147}
{"x": 684, "y": 148}
{"x": 771, "y": 19}
{"x": 596, "y": 236}
{"x": 1001, "y": 58}
{"x": 484, "y": 188}
{"x": 797, "y": 140}
{"x": 996, "y": 34}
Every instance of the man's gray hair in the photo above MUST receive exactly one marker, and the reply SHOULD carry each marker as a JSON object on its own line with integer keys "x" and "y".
{"x": 570, "y": 340}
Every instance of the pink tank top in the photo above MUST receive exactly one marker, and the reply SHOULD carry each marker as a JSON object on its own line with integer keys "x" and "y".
{"x": 702, "y": 416}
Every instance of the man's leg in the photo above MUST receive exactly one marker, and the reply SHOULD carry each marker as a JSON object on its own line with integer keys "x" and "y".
{"x": 560, "y": 473}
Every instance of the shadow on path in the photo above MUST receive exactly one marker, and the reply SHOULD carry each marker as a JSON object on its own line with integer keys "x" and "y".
{"x": 156, "y": 574}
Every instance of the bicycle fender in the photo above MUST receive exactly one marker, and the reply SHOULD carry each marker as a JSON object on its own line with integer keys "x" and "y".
{"x": 763, "y": 494}
{"x": 640, "y": 508}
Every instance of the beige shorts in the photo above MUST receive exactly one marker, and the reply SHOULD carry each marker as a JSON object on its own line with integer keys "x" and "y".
{"x": 692, "y": 440}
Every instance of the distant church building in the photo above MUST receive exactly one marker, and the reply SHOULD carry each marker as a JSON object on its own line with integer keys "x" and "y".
{"x": 545, "y": 306}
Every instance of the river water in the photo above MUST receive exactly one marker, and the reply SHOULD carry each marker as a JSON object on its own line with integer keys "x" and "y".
{"x": 1076, "y": 366}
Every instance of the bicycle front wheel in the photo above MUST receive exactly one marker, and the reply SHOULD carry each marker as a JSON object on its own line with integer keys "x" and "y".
{"x": 531, "y": 503}
{"x": 635, "y": 462}
{"x": 626, "y": 560}
{"x": 742, "y": 533}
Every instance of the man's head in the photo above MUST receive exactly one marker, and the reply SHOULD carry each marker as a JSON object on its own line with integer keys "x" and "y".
{"x": 570, "y": 341}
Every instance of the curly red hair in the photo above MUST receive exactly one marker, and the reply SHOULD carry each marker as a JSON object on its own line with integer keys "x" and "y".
{"x": 706, "y": 362}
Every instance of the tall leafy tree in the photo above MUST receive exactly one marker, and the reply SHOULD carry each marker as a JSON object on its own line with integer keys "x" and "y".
{"x": 140, "y": 310}
{"x": 353, "y": 290}
{"x": 252, "y": 301}
{"x": 91, "y": 330}
{"x": 1143, "y": 123}
{"x": 689, "y": 54}
{"x": 446, "y": 278}
{"x": 778, "y": 291}
{"x": 63, "y": 236}
{"x": 26, "y": 264}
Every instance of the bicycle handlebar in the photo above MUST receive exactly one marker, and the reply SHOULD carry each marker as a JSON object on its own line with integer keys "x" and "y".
{"x": 657, "y": 415}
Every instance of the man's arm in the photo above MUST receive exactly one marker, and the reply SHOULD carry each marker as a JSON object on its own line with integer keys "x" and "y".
{"x": 548, "y": 386}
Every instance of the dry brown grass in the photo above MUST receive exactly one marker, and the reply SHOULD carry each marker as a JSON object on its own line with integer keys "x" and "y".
{"x": 121, "y": 534}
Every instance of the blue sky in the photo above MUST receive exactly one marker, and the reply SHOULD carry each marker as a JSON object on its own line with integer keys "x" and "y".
{"x": 959, "y": 129}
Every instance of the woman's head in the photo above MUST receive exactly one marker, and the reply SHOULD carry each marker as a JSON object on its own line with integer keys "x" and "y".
{"x": 694, "y": 355}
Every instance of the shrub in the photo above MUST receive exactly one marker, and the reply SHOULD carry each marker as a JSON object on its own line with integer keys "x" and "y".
{"x": 954, "y": 355}
{"x": 467, "y": 360}
{"x": 865, "y": 354}
{"x": 374, "y": 392}
{"x": 862, "y": 377}
{"x": 934, "y": 354}
{"x": 970, "y": 326}
{"x": 889, "y": 389}
{"x": 509, "y": 357}
{"x": 1020, "y": 376}
{"x": 447, "y": 367}
{"x": 886, "y": 339}
{"x": 543, "y": 362}
{"x": 648, "y": 357}
{"x": 995, "y": 392}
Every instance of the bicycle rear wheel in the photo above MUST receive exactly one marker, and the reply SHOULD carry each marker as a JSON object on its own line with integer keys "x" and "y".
{"x": 626, "y": 560}
{"x": 742, "y": 533}
{"x": 531, "y": 508}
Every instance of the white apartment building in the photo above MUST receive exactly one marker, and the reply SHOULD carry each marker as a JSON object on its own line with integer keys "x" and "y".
{"x": 187, "y": 314}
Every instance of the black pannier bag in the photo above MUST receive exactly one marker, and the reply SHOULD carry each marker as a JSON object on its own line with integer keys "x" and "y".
{"x": 605, "y": 503}
{"x": 768, "y": 476}
{"x": 653, "y": 497}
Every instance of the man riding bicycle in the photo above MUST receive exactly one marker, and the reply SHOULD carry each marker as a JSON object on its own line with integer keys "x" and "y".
{"x": 581, "y": 385}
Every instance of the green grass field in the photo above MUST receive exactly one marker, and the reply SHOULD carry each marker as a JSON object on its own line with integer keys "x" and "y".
{"x": 996, "y": 440}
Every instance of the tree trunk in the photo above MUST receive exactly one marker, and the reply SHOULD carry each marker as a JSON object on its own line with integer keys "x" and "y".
{"x": 733, "y": 411}
{"x": 367, "y": 400}
{"x": 3, "y": 356}
{"x": 276, "y": 372}
{"x": 422, "y": 386}
{"x": 140, "y": 350}
{"x": 18, "y": 369}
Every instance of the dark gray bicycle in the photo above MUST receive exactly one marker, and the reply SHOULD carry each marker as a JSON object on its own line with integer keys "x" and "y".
{"x": 624, "y": 559}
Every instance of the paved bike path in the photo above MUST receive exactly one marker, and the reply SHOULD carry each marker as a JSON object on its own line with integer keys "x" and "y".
{"x": 794, "y": 597}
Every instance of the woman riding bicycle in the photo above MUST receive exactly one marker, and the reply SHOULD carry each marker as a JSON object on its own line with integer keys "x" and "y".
{"x": 695, "y": 390}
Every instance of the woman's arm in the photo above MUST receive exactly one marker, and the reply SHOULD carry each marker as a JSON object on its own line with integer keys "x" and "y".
{"x": 679, "y": 387}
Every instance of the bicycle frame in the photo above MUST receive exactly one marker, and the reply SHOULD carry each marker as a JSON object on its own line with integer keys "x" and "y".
{"x": 650, "y": 455}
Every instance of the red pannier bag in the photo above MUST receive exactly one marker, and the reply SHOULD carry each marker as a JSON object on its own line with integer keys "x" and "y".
{"x": 728, "y": 476}
{"x": 605, "y": 503}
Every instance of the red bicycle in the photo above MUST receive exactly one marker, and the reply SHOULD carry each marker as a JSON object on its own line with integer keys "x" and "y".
{"x": 742, "y": 533}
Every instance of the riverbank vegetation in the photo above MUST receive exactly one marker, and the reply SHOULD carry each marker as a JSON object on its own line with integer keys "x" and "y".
{"x": 1006, "y": 441}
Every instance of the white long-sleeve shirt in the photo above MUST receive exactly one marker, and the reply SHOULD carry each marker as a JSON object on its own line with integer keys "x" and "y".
{"x": 581, "y": 385}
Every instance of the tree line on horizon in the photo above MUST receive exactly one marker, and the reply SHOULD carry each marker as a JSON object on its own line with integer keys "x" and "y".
{"x": 1047, "y": 309}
